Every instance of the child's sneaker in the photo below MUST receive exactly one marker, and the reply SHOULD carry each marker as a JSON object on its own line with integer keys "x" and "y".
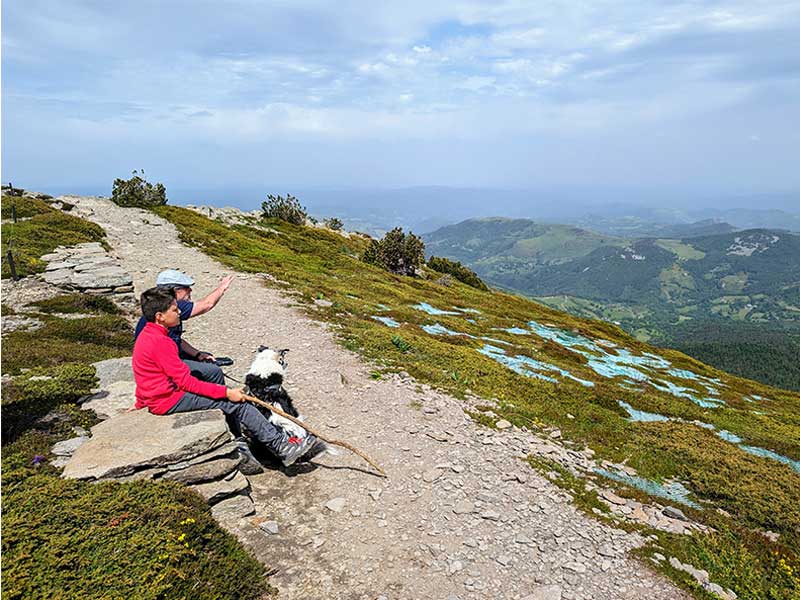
{"x": 292, "y": 447}
{"x": 318, "y": 448}
{"x": 248, "y": 464}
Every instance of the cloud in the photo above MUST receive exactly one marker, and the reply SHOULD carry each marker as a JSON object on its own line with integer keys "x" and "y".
{"x": 252, "y": 73}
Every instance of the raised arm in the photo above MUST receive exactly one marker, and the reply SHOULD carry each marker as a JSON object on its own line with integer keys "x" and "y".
{"x": 206, "y": 304}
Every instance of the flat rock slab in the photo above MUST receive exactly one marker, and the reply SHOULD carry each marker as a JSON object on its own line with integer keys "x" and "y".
{"x": 233, "y": 508}
{"x": 133, "y": 441}
{"x": 214, "y": 491}
{"x": 115, "y": 399}
{"x": 103, "y": 277}
{"x": 113, "y": 370}
{"x": 68, "y": 447}
{"x": 205, "y": 471}
{"x": 545, "y": 592}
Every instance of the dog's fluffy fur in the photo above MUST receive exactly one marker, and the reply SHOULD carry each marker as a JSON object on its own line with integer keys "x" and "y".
{"x": 265, "y": 382}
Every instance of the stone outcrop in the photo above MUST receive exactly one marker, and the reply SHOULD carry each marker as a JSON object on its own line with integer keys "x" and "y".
{"x": 701, "y": 576}
{"x": 90, "y": 269}
{"x": 227, "y": 214}
{"x": 137, "y": 440}
{"x": 235, "y": 216}
{"x": 195, "y": 449}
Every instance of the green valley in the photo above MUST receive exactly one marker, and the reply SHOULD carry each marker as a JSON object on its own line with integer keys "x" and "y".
{"x": 662, "y": 290}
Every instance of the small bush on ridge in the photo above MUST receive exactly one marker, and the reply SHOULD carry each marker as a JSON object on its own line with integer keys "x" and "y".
{"x": 286, "y": 209}
{"x": 397, "y": 252}
{"x": 457, "y": 270}
{"x": 334, "y": 223}
{"x": 137, "y": 192}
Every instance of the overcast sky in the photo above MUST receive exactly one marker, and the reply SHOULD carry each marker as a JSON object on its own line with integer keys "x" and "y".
{"x": 699, "y": 95}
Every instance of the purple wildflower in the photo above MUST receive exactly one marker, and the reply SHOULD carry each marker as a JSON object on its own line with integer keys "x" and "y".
{"x": 38, "y": 459}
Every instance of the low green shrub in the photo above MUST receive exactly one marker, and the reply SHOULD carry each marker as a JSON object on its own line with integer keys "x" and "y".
{"x": 32, "y": 395}
{"x": 397, "y": 252}
{"x": 137, "y": 192}
{"x": 77, "y": 303}
{"x": 286, "y": 209}
{"x": 457, "y": 270}
{"x": 401, "y": 344}
{"x": 61, "y": 341}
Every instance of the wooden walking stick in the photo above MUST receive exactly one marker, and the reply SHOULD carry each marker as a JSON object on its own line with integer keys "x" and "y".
{"x": 278, "y": 411}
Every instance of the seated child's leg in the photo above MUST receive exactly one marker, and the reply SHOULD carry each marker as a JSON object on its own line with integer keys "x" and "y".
{"x": 236, "y": 413}
{"x": 206, "y": 371}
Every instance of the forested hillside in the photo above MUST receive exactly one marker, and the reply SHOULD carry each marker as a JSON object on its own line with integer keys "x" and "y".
{"x": 691, "y": 293}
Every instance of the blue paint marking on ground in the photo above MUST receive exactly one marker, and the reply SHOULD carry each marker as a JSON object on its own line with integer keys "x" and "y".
{"x": 794, "y": 464}
{"x": 388, "y": 321}
{"x": 525, "y": 365}
{"x": 640, "y": 415}
{"x": 689, "y": 393}
{"x": 516, "y": 331}
{"x": 425, "y": 307}
{"x": 728, "y": 436}
{"x": 437, "y": 329}
{"x": 669, "y": 491}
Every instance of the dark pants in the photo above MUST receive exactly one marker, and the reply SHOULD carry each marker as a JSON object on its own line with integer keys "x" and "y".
{"x": 237, "y": 414}
{"x": 205, "y": 371}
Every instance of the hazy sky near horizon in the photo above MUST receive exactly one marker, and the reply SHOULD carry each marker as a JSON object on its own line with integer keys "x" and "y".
{"x": 699, "y": 95}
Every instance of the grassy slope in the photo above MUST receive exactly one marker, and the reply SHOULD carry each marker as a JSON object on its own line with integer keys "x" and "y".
{"x": 757, "y": 492}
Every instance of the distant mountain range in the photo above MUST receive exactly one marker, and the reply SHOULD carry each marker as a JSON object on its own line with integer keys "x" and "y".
{"x": 631, "y": 221}
{"x": 659, "y": 288}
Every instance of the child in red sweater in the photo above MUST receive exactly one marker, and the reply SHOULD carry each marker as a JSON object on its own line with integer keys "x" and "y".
{"x": 165, "y": 386}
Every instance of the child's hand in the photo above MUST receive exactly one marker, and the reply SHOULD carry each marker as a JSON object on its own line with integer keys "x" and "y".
{"x": 235, "y": 395}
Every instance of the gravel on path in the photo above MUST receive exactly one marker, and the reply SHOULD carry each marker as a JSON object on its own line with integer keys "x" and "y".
{"x": 448, "y": 523}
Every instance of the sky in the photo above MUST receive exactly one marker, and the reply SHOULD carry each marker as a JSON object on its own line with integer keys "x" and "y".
{"x": 593, "y": 94}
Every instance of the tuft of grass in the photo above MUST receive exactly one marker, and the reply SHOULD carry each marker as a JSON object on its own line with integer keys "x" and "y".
{"x": 401, "y": 344}
{"x": 26, "y": 207}
{"x": 46, "y": 229}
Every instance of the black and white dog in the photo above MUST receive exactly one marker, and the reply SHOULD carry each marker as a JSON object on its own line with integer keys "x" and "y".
{"x": 264, "y": 380}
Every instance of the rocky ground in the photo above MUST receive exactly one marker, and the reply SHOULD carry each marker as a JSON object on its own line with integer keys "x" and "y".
{"x": 460, "y": 515}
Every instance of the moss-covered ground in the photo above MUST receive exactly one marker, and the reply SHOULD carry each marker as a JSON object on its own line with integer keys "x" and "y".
{"x": 758, "y": 493}
{"x": 73, "y": 539}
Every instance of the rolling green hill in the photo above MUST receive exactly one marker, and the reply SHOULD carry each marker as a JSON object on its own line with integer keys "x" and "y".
{"x": 652, "y": 286}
